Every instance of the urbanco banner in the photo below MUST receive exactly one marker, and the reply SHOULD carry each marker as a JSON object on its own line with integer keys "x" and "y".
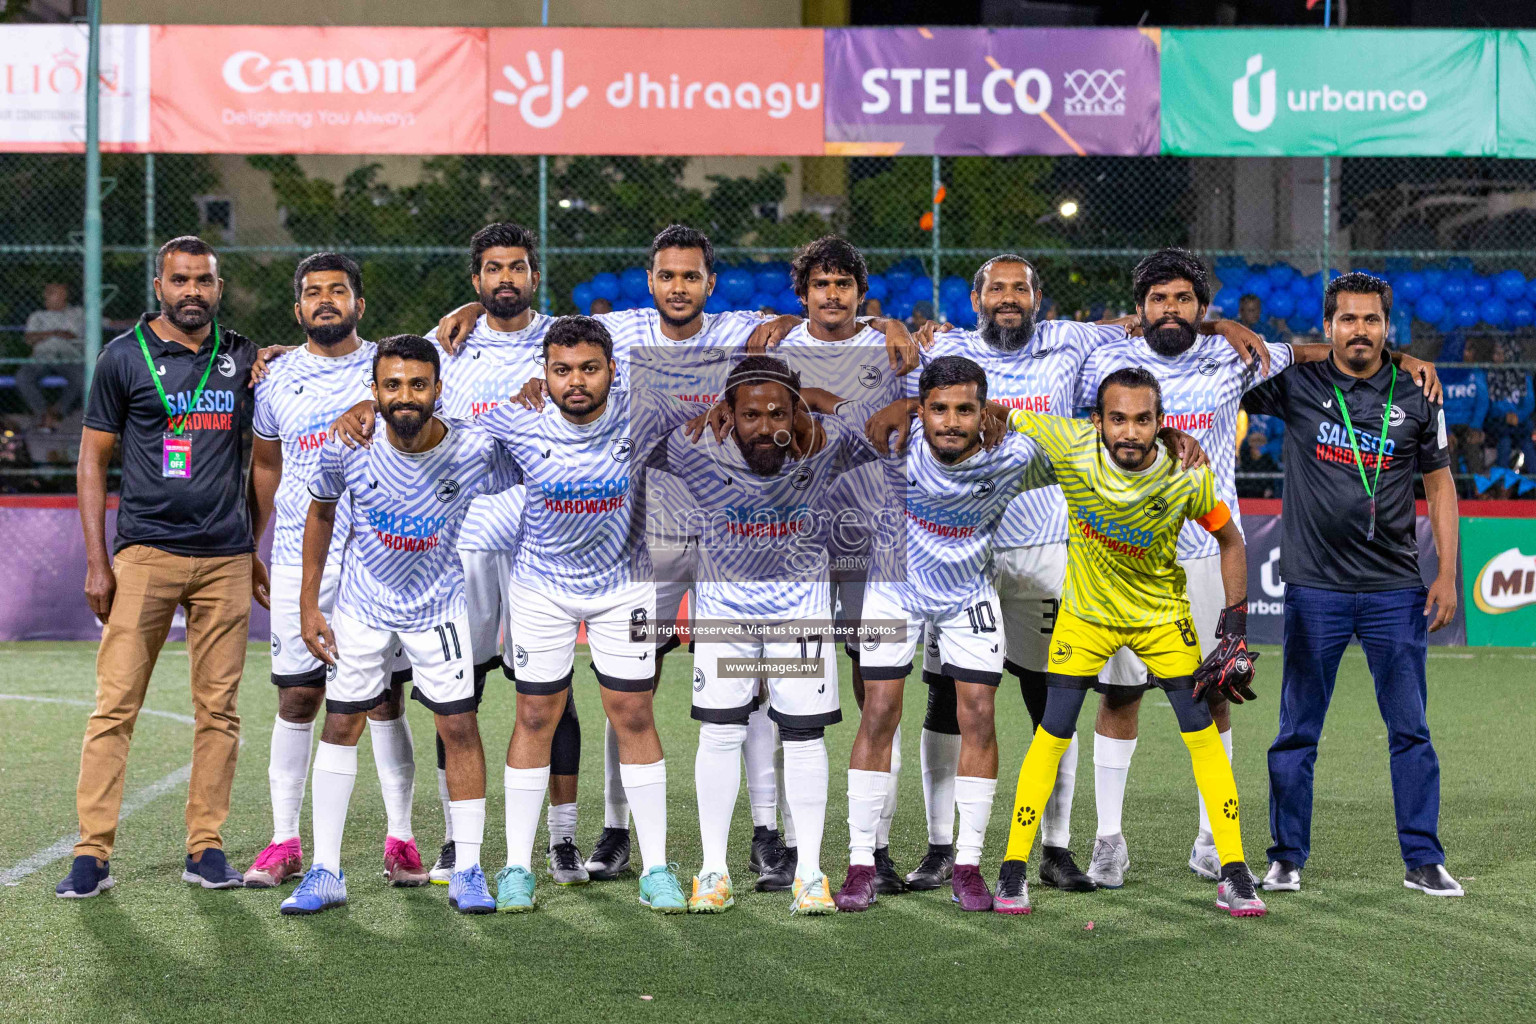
{"x": 997, "y": 92}
{"x": 42, "y": 87}
{"x": 1318, "y": 92}
{"x": 282, "y": 89}
{"x": 677, "y": 92}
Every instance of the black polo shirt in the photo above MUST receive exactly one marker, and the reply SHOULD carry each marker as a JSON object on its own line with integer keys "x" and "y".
{"x": 1326, "y": 511}
{"x": 204, "y": 513}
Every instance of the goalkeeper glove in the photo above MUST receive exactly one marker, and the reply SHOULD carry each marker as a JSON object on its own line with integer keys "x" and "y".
{"x": 1229, "y": 669}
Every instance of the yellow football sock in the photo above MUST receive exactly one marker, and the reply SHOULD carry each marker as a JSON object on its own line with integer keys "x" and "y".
{"x": 1037, "y": 776}
{"x": 1213, "y": 774}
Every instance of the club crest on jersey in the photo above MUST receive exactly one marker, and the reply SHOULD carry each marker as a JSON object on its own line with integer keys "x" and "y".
{"x": 870, "y": 375}
{"x": 226, "y": 365}
{"x": 802, "y": 478}
{"x": 1208, "y": 366}
{"x": 933, "y": 643}
{"x": 1397, "y": 416}
{"x": 1156, "y": 508}
{"x": 520, "y": 656}
{"x": 871, "y": 644}
{"x": 330, "y": 671}
{"x": 447, "y": 489}
{"x": 277, "y": 645}
{"x": 713, "y": 355}
{"x": 698, "y": 680}
{"x": 1061, "y": 652}
{"x": 623, "y": 448}
{"x": 983, "y": 488}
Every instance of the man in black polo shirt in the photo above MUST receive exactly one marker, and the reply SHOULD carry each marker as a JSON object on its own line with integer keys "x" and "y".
{"x": 1356, "y": 432}
{"x": 175, "y": 393}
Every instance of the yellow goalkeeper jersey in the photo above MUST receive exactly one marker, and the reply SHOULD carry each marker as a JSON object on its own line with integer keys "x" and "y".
{"x": 1122, "y": 527}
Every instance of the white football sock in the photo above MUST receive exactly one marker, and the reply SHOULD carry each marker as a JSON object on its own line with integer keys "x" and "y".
{"x": 335, "y": 774}
{"x": 562, "y": 823}
{"x": 805, "y": 798}
{"x": 442, "y": 796}
{"x": 1056, "y": 823}
{"x": 790, "y": 839}
{"x": 762, "y": 787}
{"x": 615, "y": 803}
{"x": 470, "y": 818}
{"x": 287, "y": 771}
{"x": 646, "y": 787}
{"x": 524, "y": 796}
{"x": 867, "y": 792}
{"x": 1205, "y": 821}
{"x": 974, "y": 798}
{"x": 1111, "y": 765}
{"x": 888, "y": 808}
{"x": 717, "y": 783}
{"x": 939, "y": 754}
{"x": 395, "y": 760}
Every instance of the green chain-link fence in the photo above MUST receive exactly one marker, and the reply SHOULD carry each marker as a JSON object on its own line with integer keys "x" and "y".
{"x": 1084, "y": 221}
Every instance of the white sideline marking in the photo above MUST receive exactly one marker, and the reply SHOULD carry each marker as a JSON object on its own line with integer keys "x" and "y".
{"x": 135, "y": 802}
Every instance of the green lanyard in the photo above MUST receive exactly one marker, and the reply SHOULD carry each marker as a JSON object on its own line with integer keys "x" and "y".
{"x": 1386, "y": 417}
{"x": 154, "y": 375}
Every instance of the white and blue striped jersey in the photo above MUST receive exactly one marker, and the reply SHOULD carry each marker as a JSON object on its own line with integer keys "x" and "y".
{"x": 489, "y": 369}
{"x": 584, "y": 529}
{"x": 951, "y": 516}
{"x": 693, "y": 370}
{"x": 401, "y": 569}
{"x": 1203, "y": 390}
{"x": 1040, "y": 377}
{"x": 296, "y": 404}
{"x": 762, "y": 547}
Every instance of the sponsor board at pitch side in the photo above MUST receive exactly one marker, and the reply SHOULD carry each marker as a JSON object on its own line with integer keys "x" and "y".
{"x": 682, "y": 92}
{"x": 1499, "y": 579}
{"x": 42, "y": 87}
{"x": 1306, "y": 92}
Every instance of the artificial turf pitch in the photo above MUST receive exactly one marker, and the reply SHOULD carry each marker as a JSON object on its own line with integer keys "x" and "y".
{"x": 1353, "y": 945}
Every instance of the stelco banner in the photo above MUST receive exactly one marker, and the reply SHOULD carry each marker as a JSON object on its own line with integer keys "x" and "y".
{"x": 1316, "y": 92}
{"x": 997, "y": 92}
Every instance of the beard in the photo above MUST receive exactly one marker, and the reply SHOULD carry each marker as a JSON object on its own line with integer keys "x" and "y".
{"x": 950, "y": 456}
{"x": 672, "y": 321}
{"x": 505, "y": 307}
{"x": 563, "y": 402}
{"x": 1009, "y": 339}
{"x": 407, "y": 426}
{"x": 1170, "y": 336}
{"x": 328, "y": 334}
{"x": 1358, "y": 362}
{"x": 187, "y": 315}
{"x": 1127, "y": 454}
{"x": 763, "y": 456}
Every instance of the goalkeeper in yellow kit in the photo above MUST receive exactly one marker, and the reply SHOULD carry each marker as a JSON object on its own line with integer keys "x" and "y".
{"x": 1127, "y": 501}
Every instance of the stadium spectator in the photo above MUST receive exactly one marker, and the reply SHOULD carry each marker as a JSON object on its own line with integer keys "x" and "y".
{"x": 872, "y": 307}
{"x": 922, "y": 313}
{"x": 175, "y": 392}
{"x": 1253, "y": 457}
{"x": 56, "y": 335}
{"x": 601, "y": 305}
{"x": 1510, "y": 402}
{"x": 1250, "y": 313}
{"x": 1349, "y": 557}
{"x": 1466, "y": 408}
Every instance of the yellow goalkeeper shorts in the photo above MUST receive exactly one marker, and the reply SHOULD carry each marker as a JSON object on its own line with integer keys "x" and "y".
{"x": 1080, "y": 648}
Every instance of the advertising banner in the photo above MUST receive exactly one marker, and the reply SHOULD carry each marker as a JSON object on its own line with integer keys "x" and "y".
{"x": 277, "y": 89}
{"x": 42, "y": 87}
{"x": 677, "y": 92}
{"x": 1517, "y": 94}
{"x": 962, "y": 91}
{"x": 1498, "y": 569}
{"x": 1316, "y": 92}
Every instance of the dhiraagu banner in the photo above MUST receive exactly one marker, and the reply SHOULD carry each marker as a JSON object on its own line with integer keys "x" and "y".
{"x": 1340, "y": 92}
{"x": 1498, "y": 568}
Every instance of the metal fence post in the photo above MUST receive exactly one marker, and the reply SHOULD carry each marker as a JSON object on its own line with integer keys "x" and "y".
{"x": 91, "y": 284}
{"x": 149, "y": 231}
{"x": 936, "y": 240}
{"x": 1327, "y": 217}
{"x": 544, "y": 231}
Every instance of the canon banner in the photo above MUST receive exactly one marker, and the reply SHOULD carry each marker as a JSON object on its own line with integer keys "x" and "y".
{"x": 264, "y": 89}
{"x": 656, "y": 91}
{"x": 42, "y": 87}
{"x": 959, "y": 91}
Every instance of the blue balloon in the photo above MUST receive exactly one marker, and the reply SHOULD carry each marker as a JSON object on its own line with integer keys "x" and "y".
{"x": 921, "y": 289}
{"x": 633, "y": 284}
{"x": 787, "y": 301}
{"x": 770, "y": 282}
{"x": 1479, "y": 289}
{"x": 1495, "y": 312}
{"x": 955, "y": 284}
{"x": 716, "y": 303}
{"x": 1454, "y": 290}
{"x": 1467, "y": 313}
{"x": 1256, "y": 284}
{"x": 1434, "y": 279}
{"x": 899, "y": 307}
{"x": 1310, "y": 306}
{"x": 1522, "y": 314}
{"x": 1510, "y": 285}
{"x": 1409, "y": 285}
{"x": 963, "y": 317}
{"x": 761, "y": 299}
{"x": 737, "y": 283}
{"x": 1456, "y": 263}
{"x": 898, "y": 279}
{"x": 1301, "y": 286}
{"x": 582, "y": 296}
{"x": 605, "y": 286}
{"x": 878, "y": 289}
{"x": 1301, "y": 324}
{"x": 1401, "y": 325}
{"x": 1430, "y": 308}
{"x": 1281, "y": 304}
{"x": 1280, "y": 275}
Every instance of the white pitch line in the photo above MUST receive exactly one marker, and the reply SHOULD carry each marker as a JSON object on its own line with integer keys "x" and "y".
{"x": 135, "y": 802}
